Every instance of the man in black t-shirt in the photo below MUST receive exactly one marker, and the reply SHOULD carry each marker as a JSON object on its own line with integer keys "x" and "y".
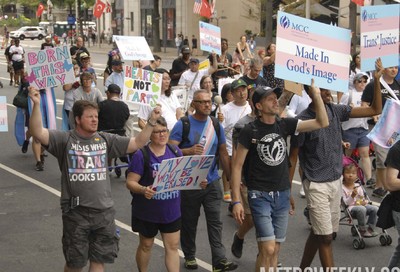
{"x": 392, "y": 183}
{"x": 253, "y": 78}
{"x": 180, "y": 65}
{"x": 77, "y": 50}
{"x": 263, "y": 143}
{"x": 10, "y": 68}
{"x": 388, "y": 76}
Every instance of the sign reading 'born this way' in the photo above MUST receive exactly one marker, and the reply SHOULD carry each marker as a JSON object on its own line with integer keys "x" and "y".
{"x": 306, "y": 49}
{"x": 49, "y": 67}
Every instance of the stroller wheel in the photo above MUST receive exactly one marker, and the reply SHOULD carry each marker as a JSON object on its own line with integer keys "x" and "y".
{"x": 389, "y": 240}
{"x": 353, "y": 231}
{"x": 383, "y": 240}
{"x": 118, "y": 171}
{"x": 356, "y": 244}
{"x": 362, "y": 244}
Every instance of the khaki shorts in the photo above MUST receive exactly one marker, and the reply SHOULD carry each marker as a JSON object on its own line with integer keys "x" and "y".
{"x": 245, "y": 200}
{"x": 323, "y": 201}
{"x": 380, "y": 155}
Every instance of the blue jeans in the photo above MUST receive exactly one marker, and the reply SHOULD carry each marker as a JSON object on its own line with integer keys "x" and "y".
{"x": 395, "y": 259}
{"x": 270, "y": 212}
{"x": 191, "y": 202}
{"x": 361, "y": 213}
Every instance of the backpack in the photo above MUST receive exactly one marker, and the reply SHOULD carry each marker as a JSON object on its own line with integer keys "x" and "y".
{"x": 186, "y": 129}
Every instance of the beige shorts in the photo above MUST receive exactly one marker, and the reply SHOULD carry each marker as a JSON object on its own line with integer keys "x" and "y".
{"x": 245, "y": 201}
{"x": 380, "y": 155}
{"x": 323, "y": 201}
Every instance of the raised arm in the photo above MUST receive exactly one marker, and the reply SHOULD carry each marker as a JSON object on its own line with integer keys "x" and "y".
{"x": 35, "y": 120}
{"x": 143, "y": 137}
{"x": 214, "y": 66}
{"x": 376, "y": 105}
{"x": 321, "y": 117}
{"x": 284, "y": 100}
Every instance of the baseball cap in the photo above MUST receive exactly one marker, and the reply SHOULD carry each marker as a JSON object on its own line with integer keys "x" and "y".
{"x": 194, "y": 60}
{"x": 116, "y": 62}
{"x": 261, "y": 92}
{"x": 238, "y": 83}
{"x": 359, "y": 76}
{"x": 84, "y": 55}
{"x": 114, "y": 88}
{"x": 185, "y": 50}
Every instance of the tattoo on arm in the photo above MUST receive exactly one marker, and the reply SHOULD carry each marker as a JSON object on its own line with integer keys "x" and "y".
{"x": 284, "y": 99}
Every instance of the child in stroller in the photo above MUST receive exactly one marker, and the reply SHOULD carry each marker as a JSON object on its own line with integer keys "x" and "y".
{"x": 357, "y": 202}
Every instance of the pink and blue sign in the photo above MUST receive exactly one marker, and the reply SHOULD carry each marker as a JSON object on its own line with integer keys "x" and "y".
{"x": 379, "y": 36}
{"x": 306, "y": 49}
{"x": 210, "y": 38}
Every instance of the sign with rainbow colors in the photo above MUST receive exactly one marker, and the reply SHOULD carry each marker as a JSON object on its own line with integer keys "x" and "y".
{"x": 307, "y": 49}
{"x": 379, "y": 36}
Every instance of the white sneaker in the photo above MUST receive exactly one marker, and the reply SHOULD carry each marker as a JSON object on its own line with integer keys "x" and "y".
{"x": 302, "y": 194}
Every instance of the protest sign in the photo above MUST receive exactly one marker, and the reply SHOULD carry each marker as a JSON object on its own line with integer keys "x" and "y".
{"x": 307, "y": 49}
{"x": 205, "y": 64}
{"x": 3, "y": 114}
{"x": 379, "y": 36}
{"x": 387, "y": 131}
{"x": 49, "y": 67}
{"x": 181, "y": 94}
{"x": 222, "y": 82}
{"x": 141, "y": 86}
{"x": 133, "y": 48}
{"x": 210, "y": 37}
{"x": 182, "y": 173}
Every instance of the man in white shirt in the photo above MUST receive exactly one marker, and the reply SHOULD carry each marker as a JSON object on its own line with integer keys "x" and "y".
{"x": 17, "y": 57}
{"x": 191, "y": 78}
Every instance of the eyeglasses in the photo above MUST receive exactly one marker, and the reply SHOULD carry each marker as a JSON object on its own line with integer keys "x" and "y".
{"x": 203, "y": 102}
{"x": 159, "y": 132}
{"x": 361, "y": 81}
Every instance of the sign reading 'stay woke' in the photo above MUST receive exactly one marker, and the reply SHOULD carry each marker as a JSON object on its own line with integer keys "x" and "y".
{"x": 306, "y": 49}
{"x": 379, "y": 36}
{"x": 49, "y": 67}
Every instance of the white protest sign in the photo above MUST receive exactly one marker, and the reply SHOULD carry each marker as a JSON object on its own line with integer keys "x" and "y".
{"x": 182, "y": 173}
{"x": 141, "y": 86}
{"x": 133, "y": 47}
{"x": 49, "y": 67}
{"x": 222, "y": 82}
{"x": 181, "y": 94}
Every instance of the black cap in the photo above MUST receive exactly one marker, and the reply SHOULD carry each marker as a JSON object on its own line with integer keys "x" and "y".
{"x": 194, "y": 60}
{"x": 114, "y": 88}
{"x": 116, "y": 62}
{"x": 185, "y": 50}
{"x": 261, "y": 92}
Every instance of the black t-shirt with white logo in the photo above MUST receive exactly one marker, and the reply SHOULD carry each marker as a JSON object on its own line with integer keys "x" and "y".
{"x": 267, "y": 166}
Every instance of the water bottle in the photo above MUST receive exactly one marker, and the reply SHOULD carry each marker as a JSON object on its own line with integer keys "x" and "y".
{"x": 203, "y": 141}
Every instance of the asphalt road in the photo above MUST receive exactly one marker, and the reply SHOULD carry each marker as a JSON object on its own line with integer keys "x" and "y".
{"x": 30, "y": 217}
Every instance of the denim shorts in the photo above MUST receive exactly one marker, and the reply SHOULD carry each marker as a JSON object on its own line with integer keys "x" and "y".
{"x": 270, "y": 212}
{"x": 357, "y": 137}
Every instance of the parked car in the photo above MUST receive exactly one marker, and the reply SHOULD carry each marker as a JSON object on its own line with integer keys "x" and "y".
{"x": 29, "y": 32}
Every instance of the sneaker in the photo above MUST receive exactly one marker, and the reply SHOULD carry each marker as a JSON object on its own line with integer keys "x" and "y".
{"x": 370, "y": 183}
{"x": 227, "y": 197}
{"x": 25, "y": 145}
{"x": 11, "y": 82}
{"x": 191, "y": 264}
{"x": 373, "y": 232}
{"x": 237, "y": 246}
{"x": 39, "y": 166}
{"x": 365, "y": 233}
{"x": 279, "y": 264}
{"x": 379, "y": 192}
{"x": 225, "y": 265}
{"x": 302, "y": 194}
{"x": 16, "y": 85}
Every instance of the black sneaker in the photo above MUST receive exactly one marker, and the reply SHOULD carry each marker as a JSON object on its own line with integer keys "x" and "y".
{"x": 370, "y": 183}
{"x": 25, "y": 145}
{"x": 379, "y": 192}
{"x": 225, "y": 265}
{"x": 11, "y": 82}
{"x": 39, "y": 166}
{"x": 191, "y": 264}
{"x": 237, "y": 246}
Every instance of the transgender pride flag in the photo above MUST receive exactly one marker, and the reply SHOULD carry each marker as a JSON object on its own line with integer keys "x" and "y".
{"x": 307, "y": 49}
{"x": 387, "y": 131}
{"x": 379, "y": 36}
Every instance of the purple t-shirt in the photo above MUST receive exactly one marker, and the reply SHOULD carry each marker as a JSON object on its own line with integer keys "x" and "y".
{"x": 163, "y": 207}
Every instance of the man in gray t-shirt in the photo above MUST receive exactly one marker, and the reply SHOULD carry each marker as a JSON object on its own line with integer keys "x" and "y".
{"x": 89, "y": 230}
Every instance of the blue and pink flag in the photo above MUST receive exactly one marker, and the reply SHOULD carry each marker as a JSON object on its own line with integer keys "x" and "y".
{"x": 3, "y": 114}
{"x": 210, "y": 37}
{"x": 307, "y": 49}
{"x": 379, "y": 36}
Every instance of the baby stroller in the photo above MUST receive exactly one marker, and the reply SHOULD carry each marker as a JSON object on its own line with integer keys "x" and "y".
{"x": 358, "y": 242}
{"x": 125, "y": 160}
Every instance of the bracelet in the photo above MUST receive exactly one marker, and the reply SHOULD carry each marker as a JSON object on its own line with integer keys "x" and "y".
{"x": 151, "y": 124}
{"x": 236, "y": 202}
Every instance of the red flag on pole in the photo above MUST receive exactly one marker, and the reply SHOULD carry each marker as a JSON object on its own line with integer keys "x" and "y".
{"x": 358, "y": 2}
{"x": 205, "y": 9}
{"x": 40, "y": 10}
{"x": 108, "y": 9}
{"x": 98, "y": 9}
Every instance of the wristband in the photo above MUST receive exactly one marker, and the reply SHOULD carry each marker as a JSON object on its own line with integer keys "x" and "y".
{"x": 151, "y": 124}
{"x": 236, "y": 202}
